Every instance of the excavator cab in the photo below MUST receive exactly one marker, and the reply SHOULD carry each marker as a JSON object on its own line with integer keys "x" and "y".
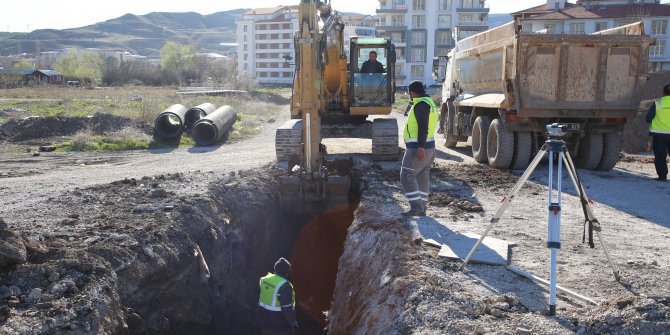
{"x": 371, "y": 89}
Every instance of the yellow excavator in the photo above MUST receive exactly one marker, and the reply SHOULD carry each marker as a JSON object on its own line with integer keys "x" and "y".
{"x": 332, "y": 99}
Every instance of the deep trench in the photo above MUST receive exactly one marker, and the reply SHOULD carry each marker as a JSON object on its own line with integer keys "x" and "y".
{"x": 313, "y": 244}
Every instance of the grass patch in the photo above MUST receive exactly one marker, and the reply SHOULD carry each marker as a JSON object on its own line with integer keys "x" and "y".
{"x": 125, "y": 139}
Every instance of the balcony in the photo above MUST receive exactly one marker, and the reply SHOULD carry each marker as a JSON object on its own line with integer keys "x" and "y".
{"x": 480, "y": 9}
{"x": 444, "y": 25}
{"x": 473, "y": 25}
{"x": 392, "y": 9}
{"x": 382, "y": 25}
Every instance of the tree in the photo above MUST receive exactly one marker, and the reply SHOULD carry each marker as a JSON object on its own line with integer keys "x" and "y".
{"x": 87, "y": 65}
{"x": 177, "y": 60}
{"x": 22, "y": 65}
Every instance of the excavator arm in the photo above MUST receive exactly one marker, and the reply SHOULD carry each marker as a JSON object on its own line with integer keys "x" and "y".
{"x": 310, "y": 189}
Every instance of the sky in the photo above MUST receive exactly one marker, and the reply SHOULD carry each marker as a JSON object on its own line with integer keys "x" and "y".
{"x": 28, "y": 15}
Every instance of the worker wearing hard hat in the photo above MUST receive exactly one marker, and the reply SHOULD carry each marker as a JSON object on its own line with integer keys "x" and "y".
{"x": 276, "y": 305}
{"x": 659, "y": 118}
{"x": 419, "y": 136}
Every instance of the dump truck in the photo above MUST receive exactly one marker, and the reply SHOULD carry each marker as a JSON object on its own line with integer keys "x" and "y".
{"x": 501, "y": 87}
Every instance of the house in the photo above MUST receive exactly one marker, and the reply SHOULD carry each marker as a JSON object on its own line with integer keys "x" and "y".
{"x": 589, "y": 16}
{"x": 30, "y": 76}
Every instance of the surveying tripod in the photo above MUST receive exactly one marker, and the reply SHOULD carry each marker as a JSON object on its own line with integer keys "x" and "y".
{"x": 555, "y": 146}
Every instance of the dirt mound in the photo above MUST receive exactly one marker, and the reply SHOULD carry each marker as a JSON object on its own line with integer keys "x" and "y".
{"x": 270, "y": 97}
{"x": 34, "y": 127}
{"x": 629, "y": 315}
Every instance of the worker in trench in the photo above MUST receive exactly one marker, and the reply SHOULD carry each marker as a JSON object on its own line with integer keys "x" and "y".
{"x": 659, "y": 118}
{"x": 419, "y": 136}
{"x": 276, "y": 305}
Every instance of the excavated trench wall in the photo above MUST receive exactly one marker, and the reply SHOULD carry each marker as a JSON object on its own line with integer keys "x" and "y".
{"x": 232, "y": 237}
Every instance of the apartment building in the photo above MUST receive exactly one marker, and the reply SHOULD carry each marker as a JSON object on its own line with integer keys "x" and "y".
{"x": 423, "y": 29}
{"x": 265, "y": 44}
{"x": 587, "y": 17}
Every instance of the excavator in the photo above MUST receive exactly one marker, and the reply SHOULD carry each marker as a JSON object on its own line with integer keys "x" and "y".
{"x": 332, "y": 99}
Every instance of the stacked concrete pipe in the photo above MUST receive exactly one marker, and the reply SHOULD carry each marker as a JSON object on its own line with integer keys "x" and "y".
{"x": 196, "y": 113}
{"x": 170, "y": 123}
{"x": 211, "y": 129}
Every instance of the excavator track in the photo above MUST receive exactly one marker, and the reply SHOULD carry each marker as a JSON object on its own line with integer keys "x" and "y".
{"x": 385, "y": 140}
{"x": 288, "y": 141}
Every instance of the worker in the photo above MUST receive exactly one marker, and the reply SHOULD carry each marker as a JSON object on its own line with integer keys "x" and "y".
{"x": 419, "y": 136}
{"x": 659, "y": 118}
{"x": 276, "y": 305}
{"x": 372, "y": 65}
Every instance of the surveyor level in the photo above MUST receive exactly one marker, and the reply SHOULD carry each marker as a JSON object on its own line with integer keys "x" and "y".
{"x": 555, "y": 146}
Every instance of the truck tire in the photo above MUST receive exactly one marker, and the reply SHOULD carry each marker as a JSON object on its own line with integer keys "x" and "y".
{"x": 523, "y": 145}
{"x": 611, "y": 150}
{"x": 480, "y": 131}
{"x": 450, "y": 139}
{"x": 500, "y": 145}
{"x": 590, "y": 151}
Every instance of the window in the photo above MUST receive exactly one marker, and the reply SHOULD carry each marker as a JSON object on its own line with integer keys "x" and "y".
{"x": 398, "y": 20}
{"x": 245, "y": 66}
{"x": 419, "y": 4}
{"x": 444, "y": 21}
{"x": 400, "y": 53}
{"x": 601, "y": 26}
{"x": 417, "y": 71}
{"x": 658, "y": 50}
{"x": 419, "y": 55}
{"x": 246, "y": 56}
{"x": 577, "y": 28}
{"x": 245, "y": 28}
{"x": 445, "y": 4}
{"x": 418, "y": 38}
{"x": 245, "y": 47}
{"x": 443, "y": 37}
{"x": 245, "y": 38}
{"x": 398, "y": 68}
{"x": 659, "y": 27}
{"x": 557, "y": 6}
{"x": 397, "y": 37}
{"x": 551, "y": 28}
{"x": 441, "y": 51}
{"x": 418, "y": 21}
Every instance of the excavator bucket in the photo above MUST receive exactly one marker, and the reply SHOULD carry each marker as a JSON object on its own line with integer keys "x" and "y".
{"x": 300, "y": 196}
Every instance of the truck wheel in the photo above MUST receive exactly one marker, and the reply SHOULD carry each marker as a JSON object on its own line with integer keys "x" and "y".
{"x": 450, "y": 138}
{"x": 611, "y": 150}
{"x": 480, "y": 131}
{"x": 523, "y": 145}
{"x": 500, "y": 145}
{"x": 590, "y": 151}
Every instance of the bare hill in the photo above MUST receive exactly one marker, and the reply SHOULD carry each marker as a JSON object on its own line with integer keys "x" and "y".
{"x": 140, "y": 34}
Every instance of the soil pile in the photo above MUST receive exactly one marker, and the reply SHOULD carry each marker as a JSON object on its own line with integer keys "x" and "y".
{"x": 35, "y": 127}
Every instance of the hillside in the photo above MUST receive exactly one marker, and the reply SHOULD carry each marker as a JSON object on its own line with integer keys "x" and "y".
{"x": 140, "y": 34}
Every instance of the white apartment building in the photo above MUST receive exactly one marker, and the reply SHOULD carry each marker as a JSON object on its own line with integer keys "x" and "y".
{"x": 423, "y": 29}
{"x": 587, "y": 17}
{"x": 265, "y": 43}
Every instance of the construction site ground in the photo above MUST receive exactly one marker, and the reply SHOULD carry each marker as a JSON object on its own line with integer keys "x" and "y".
{"x": 173, "y": 241}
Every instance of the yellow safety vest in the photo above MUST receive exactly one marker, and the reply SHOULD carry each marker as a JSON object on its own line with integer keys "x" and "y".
{"x": 269, "y": 298}
{"x": 411, "y": 133}
{"x": 661, "y": 122}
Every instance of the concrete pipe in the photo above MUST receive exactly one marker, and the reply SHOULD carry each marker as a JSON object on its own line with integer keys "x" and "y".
{"x": 196, "y": 113}
{"x": 210, "y": 129}
{"x": 170, "y": 123}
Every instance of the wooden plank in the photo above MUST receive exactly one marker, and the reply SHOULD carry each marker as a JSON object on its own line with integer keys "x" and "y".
{"x": 492, "y": 250}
